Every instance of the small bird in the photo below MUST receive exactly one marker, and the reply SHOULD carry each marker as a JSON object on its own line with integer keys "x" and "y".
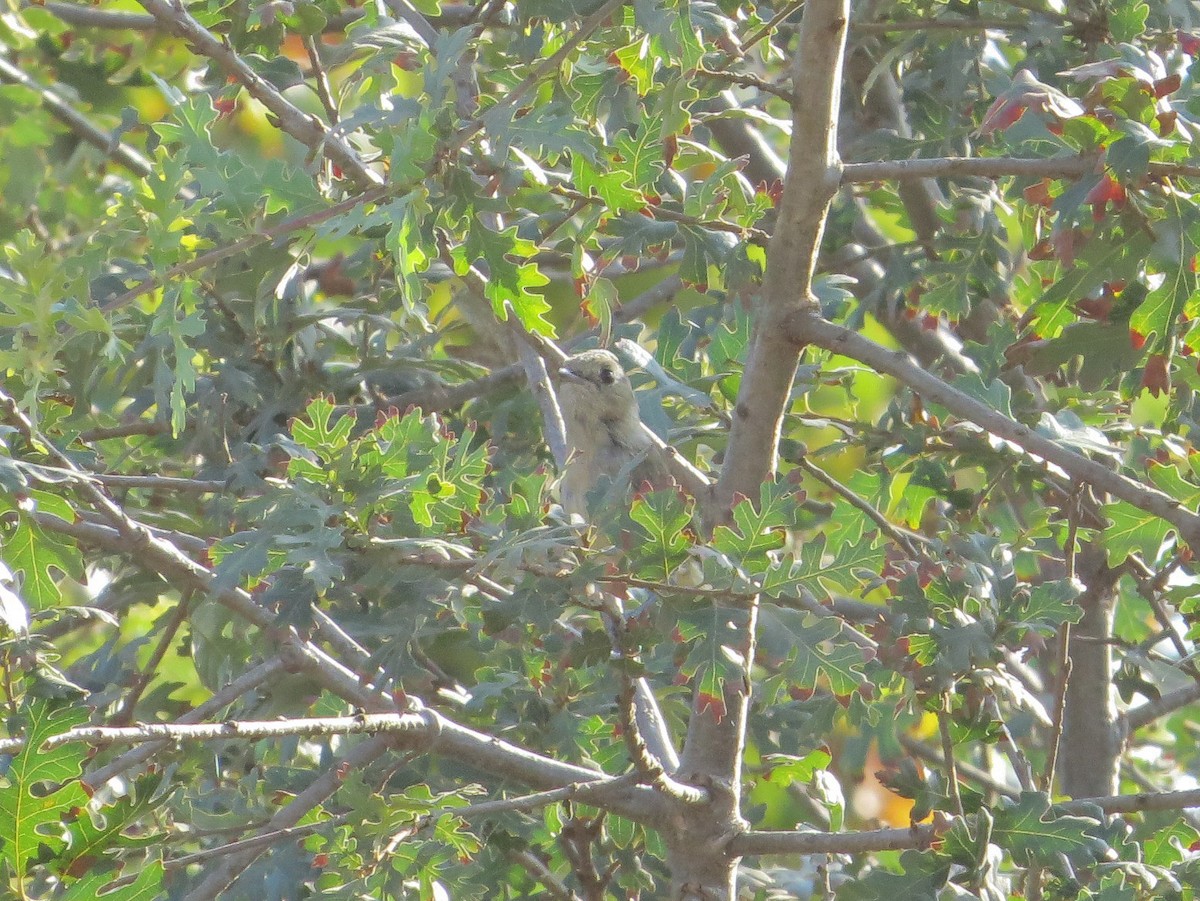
{"x": 607, "y": 442}
{"x": 605, "y": 435}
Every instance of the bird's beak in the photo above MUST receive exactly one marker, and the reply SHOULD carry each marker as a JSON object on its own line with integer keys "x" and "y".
{"x": 570, "y": 375}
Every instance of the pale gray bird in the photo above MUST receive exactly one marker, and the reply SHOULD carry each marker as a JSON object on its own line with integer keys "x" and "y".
{"x": 605, "y": 436}
{"x": 606, "y": 441}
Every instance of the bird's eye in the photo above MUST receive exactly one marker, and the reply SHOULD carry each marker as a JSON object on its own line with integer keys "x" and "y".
{"x": 607, "y": 377}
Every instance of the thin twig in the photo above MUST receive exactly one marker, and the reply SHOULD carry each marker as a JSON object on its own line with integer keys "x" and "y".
{"x": 272, "y": 837}
{"x": 921, "y": 836}
{"x": 1147, "y": 582}
{"x": 907, "y": 540}
{"x": 931, "y": 25}
{"x": 993, "y": 167}
{"x": 220, "y": 875}
{"x": 305, "y": 128}
{"x": 120, "y": 480}
{"x": 649, "y": 768}
{"x": 810, "y": 328}
{"x": 78, "y": 123}
{"x": 125, "y": 430}
{"x": 533, "y": 865}
{"x": 1064, "y": 647}
{"x": 245, "y": 683}
{"x": 1167, "y": 704}
{"x": 784, "y": 12}
{"x": 748, "y": 80}
{"x": 124, "y": 714}
{"x": 745, "y": 232}
{"x": 975, "y": 774}
{"x": 1016, "y": 757}
{"x": 948, "y": 754}
{"x": 321, "y": 80}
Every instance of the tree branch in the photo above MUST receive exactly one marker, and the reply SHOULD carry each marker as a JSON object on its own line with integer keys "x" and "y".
{"x": 78, "y": 123}
{"x": 922, "y": 836}
{"x": 814, "y": 172}
{"x": 809, "y": 328}
{"x": 306, "y": 129}
{"x": 715, "y": 744}
{"x": 993, "y": 167}
{"x": 317, "y": 792}
{"x": 244, "y": 683}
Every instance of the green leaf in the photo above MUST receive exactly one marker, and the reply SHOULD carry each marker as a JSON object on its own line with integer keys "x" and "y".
{"x": 31, "y": 816}
{"x": 758, "y": 528}
{"x": 407, "y": 243}
{"x": 705, "y": 254}
{"x": 1103, "y": 349}
{"x": 1127, "y": 19}
{"x": 319, "y": 432}
{"x": 147, "y": 886}
{"x": 641, "y": 157}
{"x": 813, "y": 648}
{"x": 94, "y": 835}
{"x": 1107, "y": 260}
{"x": 922, "y": 876}
{"x": 996, "y": 394}
{"x": 507, "y": 279}
{"x": 662, "y": 517}
{"x": 613, "y": 186}
{"x": 1133, "y": 531}
{"x": 846, "y": 571}
{"x": 546, "y": 130}
{"x": 1049, "y": 606}
{"x": 1175, "y": 249}
{"x": 1032, "y": 833}
{"x": 601, "y": 302}
{"x": 639, "y": 62}
{"x": 40, "y": 558}
{"x": 280, "y": 71}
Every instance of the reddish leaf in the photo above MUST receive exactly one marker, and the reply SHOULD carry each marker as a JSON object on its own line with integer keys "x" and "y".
{"x": 1038, "y": 194}
{"x": 1029, "y": 93}
{"x": 1168, "y": 85}
{"x": 1107, "y": 189}
{"x": 1098, "y": 308}
{"x": 1001, "y": 114}
{"x": 1042, "y": 250}
{"x": 1156, "y": 377}
{"x": 1067, "y": 244}
{"x": 715, "y": 703}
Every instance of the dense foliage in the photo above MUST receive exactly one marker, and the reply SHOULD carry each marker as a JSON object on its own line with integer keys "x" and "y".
{"x": 278, "y": 281}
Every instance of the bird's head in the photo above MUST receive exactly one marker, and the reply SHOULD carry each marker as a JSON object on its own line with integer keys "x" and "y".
{"x": 594, "y": 385}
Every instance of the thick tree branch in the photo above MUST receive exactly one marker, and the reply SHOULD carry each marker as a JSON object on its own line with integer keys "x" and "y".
{"x": 715, "y": 744}
{"x": 814, "y": 172}
{"x": 245, "y": 683}
{"x": 1147, "y": 713}
{"x": 250, "y": 730}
